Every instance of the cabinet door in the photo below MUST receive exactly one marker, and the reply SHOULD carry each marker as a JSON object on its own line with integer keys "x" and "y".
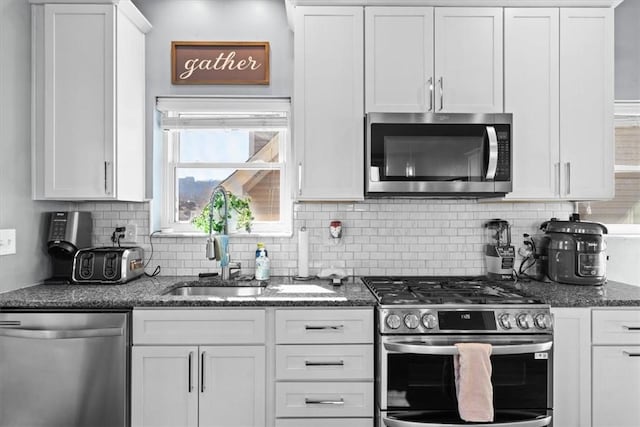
{"x": 531, "y": 93}
{"x": 399, "y": 59}
{"x": 468, "y": 59}
{"x": 572, "y": 367}
{"x": 586, "y": 103}
{"x": 232, "y": 386}
{"x": 616, "y": 386}
{"x": 164, "y": 388}
{"x": 328, "y": 102}
{"x": 78, "y": 101}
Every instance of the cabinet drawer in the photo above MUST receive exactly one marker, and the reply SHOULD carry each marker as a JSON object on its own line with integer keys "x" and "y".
{"x": 616, "y": 326}
{"x": 616, "y": 370}
{"x": 324, "y": 422}
{"x": 328, "y": 399}
{"x": 219, "y": 326}
{"x": 324, "y": 326}
{"x": 324, "y": 362}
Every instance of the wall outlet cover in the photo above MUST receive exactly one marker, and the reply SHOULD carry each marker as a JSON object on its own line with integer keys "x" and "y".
{"x": 130, "y": 234}
{"x": 8, "y": 241}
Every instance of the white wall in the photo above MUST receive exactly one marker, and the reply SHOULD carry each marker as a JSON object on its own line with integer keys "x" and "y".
{"x": 210, "y": 20}
{"x": 624, "y": 259}
{"x": 30, "y": 264}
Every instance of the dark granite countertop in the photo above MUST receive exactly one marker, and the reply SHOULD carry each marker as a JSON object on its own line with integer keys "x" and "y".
{"x": 281, "y": 291}
{"x": 611, "y": 294}
{"x": 147, "y": 292}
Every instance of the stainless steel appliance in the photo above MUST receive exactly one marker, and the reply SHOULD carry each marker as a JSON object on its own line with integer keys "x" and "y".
{"x": 68, "y": 232}
{"x": 499, "y": 255}
{"x": 64, "y": 369}
{"x": 111, "y": 265}
{"x": 576, "y": 252}
{"x": 461, "y": 155}
{"x": 419, "y": 321}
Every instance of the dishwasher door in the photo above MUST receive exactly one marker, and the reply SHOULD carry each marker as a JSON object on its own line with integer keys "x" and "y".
{"x": 64, "y": 369}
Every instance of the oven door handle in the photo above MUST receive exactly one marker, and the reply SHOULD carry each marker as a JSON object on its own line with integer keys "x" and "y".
{"x": 442, "y": 350}
{"x": 538, "y": 422}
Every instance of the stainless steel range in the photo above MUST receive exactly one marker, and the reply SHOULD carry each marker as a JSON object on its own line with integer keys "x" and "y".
{"x": 419, "y": 321}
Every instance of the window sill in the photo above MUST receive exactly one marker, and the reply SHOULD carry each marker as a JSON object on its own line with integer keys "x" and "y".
{"x": 176, "y": 234}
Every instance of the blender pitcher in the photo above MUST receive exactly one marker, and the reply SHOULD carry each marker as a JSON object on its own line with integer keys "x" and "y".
{"x": 499, "y": 254}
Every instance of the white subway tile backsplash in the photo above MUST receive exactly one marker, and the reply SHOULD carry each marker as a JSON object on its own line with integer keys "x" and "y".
{"x": 380, "y": 236}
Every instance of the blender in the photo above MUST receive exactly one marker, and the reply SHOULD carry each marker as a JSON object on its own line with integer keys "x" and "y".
{"x": 499, "y": 255}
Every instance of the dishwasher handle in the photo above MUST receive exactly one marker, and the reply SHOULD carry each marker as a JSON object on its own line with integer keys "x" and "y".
{"x": 60, "y": 334}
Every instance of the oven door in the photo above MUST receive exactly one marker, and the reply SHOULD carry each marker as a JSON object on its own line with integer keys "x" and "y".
{"x": 417, "y": 385}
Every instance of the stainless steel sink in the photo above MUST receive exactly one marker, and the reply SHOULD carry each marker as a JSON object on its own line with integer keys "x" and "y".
{"x": 216, "y": 291}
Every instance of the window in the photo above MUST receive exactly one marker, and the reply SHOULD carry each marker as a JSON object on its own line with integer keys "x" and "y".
{"x": 241, "y": 143}
{"x": 622, "y": 213}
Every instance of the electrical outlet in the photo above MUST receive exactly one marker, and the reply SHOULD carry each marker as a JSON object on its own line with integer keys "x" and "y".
{"x": 130, "y": 234}
{"x": 8, "y": 242}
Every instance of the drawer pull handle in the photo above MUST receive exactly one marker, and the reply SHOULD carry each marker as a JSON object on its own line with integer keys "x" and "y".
{"x": 631, "y": 328}
{"x": 629, "y": 354}
{"x": 324, "y": 328}
{"x": 310, "y": 363}
{"x": 190, "y": 371}
{"x": 308, "y": 401}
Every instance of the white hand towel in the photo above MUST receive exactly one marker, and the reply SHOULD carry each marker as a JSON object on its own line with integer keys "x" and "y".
{"x": 472, "y": 367}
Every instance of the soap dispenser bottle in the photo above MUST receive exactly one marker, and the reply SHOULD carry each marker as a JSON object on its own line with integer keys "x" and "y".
{"x": 262, "y": 263}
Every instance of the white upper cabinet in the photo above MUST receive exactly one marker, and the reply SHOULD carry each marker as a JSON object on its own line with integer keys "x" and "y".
{"x": 586, "y": 103}
{"x": 532, "y": 94}
{"x": 328, "y": 103}
{"x": 399, "y": 59}
{"x": 468, "y": 59}
{"x": 425, "y": 59}
{"x": 88, "y": 101}
{"x": 559, "y": 87}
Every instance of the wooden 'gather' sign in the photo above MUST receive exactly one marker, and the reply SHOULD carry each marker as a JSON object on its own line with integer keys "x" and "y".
{"x": 220, "y": 63}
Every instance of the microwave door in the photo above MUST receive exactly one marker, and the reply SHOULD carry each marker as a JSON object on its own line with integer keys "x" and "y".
{"x": 492, "y": 152}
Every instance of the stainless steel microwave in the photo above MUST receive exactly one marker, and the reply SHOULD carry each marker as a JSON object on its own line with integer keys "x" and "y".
{"x": 438, "y": 155}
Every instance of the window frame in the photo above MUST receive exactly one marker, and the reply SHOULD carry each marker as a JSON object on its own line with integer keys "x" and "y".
{"x": 171, "y": 108}
{"x": 626, "y": 114}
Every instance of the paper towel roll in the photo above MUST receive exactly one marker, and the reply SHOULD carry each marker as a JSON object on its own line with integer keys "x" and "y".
{"x": 303, "y": 252}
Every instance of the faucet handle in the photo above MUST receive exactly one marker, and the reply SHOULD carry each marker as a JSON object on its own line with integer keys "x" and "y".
{"x": 235, "y": 265}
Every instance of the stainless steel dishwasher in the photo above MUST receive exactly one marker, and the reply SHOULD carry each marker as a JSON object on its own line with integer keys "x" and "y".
{"x": 64, "y": 369}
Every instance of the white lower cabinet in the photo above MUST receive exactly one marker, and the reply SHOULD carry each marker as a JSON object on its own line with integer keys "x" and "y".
{"x": 216, "y": 382}
{"x": 572, "y": 367}
{"x": 163, "y": 386}
{"x": 616, "y": 368}
{"x": 324, "y": 422}
{"x": 324, "y": 367}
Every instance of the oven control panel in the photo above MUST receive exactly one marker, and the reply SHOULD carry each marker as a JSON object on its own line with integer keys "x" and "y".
{"x": 533, "y": 319}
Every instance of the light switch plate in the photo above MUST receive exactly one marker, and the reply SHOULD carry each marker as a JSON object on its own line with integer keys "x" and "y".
{"x": 8, "y": 241}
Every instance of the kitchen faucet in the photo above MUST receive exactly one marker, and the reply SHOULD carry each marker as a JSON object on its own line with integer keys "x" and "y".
{"x": 223, "y": 247}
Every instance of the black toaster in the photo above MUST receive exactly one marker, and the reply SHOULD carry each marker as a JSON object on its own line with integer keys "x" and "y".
{"x": 108, "y": 265}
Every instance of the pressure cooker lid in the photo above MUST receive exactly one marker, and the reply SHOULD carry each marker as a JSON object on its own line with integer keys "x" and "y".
{"x": 573, "y": 227}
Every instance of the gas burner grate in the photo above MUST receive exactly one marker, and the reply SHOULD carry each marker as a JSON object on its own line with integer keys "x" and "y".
{"x": 442, "y": 290}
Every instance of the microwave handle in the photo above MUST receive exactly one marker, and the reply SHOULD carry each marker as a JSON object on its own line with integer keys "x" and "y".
{"x": 444, "y": 350}
{"x": 536, "y": 422}
{"x": 492, "y": 139}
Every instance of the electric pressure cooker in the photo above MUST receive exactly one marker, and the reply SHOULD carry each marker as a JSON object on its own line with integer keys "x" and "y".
{"x": 576, "y": 251}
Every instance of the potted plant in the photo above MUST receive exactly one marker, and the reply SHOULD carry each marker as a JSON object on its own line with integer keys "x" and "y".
{"x": 239, "y": 209}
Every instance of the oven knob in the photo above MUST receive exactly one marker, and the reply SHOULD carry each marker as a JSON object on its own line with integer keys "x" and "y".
{"x": 505, "y": 321}
{"x": 411, "y": 321}
{"x": 542, "y": 321}
{"x": 429, "y": 321}
{"x": 393, "y": 321}
{"x": 524, "y": 321}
